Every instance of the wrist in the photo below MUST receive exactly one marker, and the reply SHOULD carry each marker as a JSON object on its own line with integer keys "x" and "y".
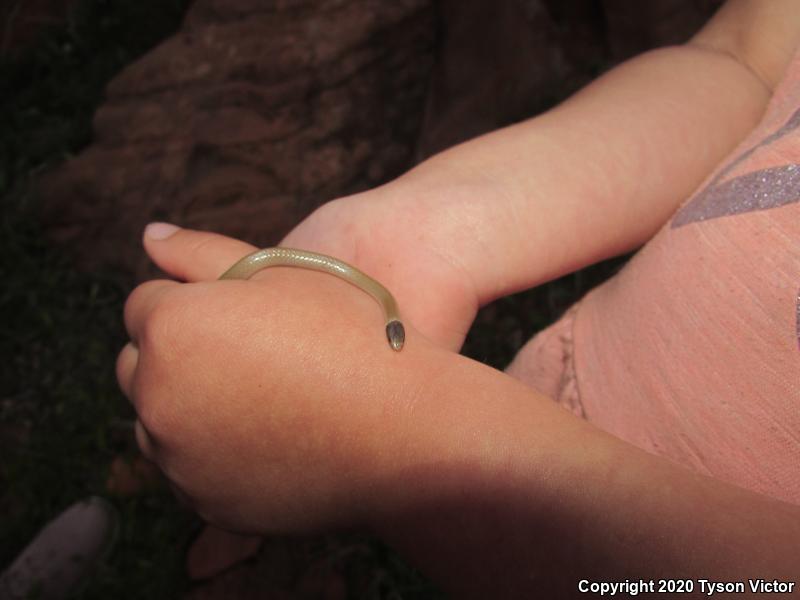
{"x": 390, "y": 235}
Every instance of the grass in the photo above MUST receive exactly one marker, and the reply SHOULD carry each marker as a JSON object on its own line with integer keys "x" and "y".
{"x": 62, "y": 418}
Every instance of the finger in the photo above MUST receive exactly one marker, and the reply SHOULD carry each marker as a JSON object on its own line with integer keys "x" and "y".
{"x": 143, "y": 439}
{"x": 126, "y": 367}
{"x": 191, "y": 255}
{"x": 141, "y": 303}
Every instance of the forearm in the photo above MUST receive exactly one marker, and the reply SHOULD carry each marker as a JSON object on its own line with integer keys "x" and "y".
{"x": 594, "y": 177}
{"x": 598, "y": 175}
{"x": 518, "y": 498}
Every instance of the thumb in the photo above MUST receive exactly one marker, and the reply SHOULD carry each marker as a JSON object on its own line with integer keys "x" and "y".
{"x": 192, "y": 255}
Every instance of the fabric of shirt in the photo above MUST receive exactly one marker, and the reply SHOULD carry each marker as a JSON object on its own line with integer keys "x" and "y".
{"x": 692, "y": 352}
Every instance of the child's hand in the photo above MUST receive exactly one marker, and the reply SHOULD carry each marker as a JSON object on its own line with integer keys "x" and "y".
{"x": 383, "y": 232}
{"x": 271, "y": 404}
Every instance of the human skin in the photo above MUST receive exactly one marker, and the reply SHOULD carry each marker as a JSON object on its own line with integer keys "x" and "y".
{"x": 269, "y": 415}
{"x": 273, "y": 404}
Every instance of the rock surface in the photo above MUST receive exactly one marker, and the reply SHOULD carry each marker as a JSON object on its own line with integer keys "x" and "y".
{"x": 245, "y": 121}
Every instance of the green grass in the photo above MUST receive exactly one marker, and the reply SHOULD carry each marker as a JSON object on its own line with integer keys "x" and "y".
{"x": 62, "y": 418}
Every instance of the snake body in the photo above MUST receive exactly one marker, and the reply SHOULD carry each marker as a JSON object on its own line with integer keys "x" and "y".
{"x": 289, "y": 257}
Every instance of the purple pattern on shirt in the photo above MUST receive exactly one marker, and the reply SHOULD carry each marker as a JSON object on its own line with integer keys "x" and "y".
{"x": 760, "y": 190}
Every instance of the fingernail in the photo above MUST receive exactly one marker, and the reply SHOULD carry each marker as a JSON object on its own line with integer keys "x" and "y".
{"x": 160, "y": 231}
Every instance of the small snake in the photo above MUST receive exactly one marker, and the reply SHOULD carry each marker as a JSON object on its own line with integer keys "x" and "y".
{"x": 287, "y": 257}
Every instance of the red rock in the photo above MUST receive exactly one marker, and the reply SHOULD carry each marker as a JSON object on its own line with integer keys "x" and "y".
{"x": 251, "y": 116}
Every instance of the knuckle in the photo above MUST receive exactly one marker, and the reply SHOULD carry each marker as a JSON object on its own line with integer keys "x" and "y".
{"x": 125, "y": 367}
{"x": 129, "y": 310}
{"x": 162, "y": 320}
{"x": 159, "y": 420}
{"x": 140, "y": 301}
{"x": 203, "y": 244}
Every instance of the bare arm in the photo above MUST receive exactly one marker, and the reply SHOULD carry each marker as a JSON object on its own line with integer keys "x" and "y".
{"x": 520, "y": 499}
{"x": 599, "y": 174}
{"x": 271, "y": 416}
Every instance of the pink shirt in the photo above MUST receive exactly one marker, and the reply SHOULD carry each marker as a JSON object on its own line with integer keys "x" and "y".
{"x": 691, "y": 351}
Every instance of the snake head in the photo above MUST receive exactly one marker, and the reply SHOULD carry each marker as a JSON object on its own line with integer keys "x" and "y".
{"x": 396, "y": 334}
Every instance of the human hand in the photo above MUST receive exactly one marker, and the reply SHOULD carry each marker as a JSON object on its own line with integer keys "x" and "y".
{"x": 382, "y": 232}
{"x": 272, "y": 404}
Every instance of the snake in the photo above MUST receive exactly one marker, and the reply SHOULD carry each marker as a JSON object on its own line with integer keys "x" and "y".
{"x": 303, "y": 259}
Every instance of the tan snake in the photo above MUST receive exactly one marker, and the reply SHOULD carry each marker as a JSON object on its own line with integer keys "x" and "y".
{"x": 288, "y": 257}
